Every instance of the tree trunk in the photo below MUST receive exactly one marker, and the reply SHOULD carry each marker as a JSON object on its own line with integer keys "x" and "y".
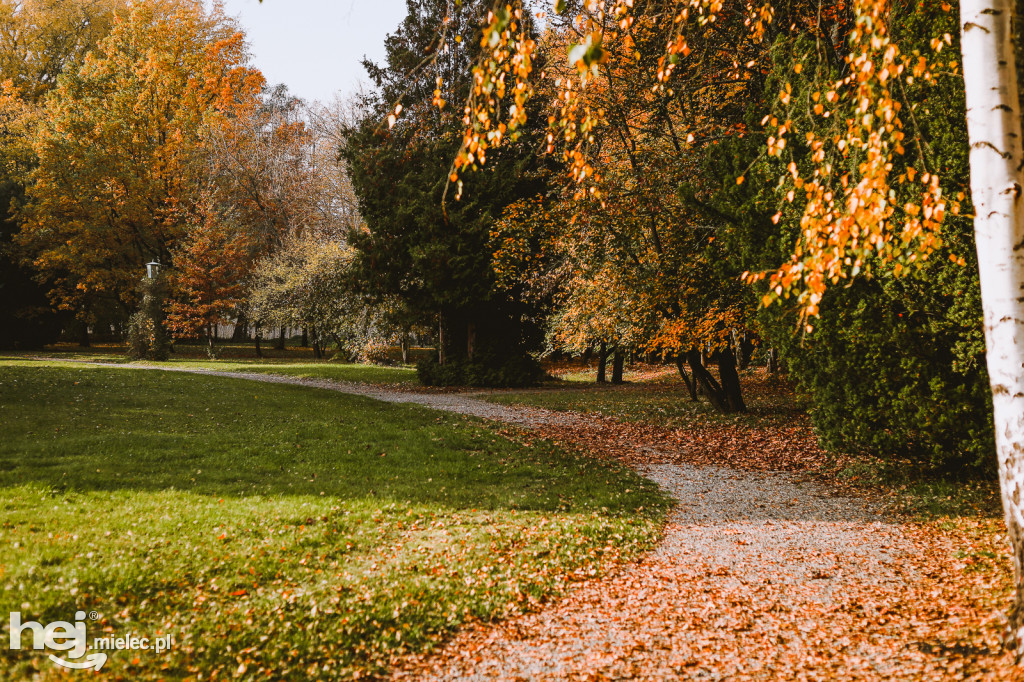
{"x": 691, "y": 387}
{"x": 241, "y": 333}
{"x": 257, "y": 333}
{"x": 440, "y": 338}
{"x": 994, "y": 129}
{"x": 730, "y": 380}
{"x": 708, "y": 386}
{"x": 405, "y": 348}
{"x": 617, "y": 361}
{"x": 746, "y": 352}
{"x": 773, "y": 361}
{"x": 314, "y": 335}
{"x": 470, "y": 339}
{"x": 305, "y": 338}
{"x": 602, "y": 363}
{"x": 340, "y": 343}
{"x": 83, "y": 335}
{"x": 279, "y": 344}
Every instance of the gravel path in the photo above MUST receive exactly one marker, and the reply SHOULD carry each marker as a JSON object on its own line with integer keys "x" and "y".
{"x": 754, "y": 580}
{"x": 447, "y": 402}
{"x": 757, "y": 577}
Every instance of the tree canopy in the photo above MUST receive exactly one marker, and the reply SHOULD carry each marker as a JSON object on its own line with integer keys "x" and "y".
{"x": 119, "y": 148}
{"x": 435, "y": 256}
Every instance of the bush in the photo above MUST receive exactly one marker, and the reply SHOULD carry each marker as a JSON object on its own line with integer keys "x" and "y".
{"x": 147, "y": 339}
{"x": 432, "y": 373}
{"x": 896, "y": 370}
{"x": 484, "y": 371}
{"x": 375, "y": 351}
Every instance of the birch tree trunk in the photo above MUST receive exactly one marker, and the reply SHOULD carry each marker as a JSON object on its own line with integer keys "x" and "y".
{"x": 994, "y": 128}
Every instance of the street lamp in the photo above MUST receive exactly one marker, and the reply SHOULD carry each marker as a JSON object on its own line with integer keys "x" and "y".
{"x": 153, "y": 269}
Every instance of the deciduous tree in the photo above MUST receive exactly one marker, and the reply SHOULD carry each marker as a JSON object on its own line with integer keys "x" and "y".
{"x": 120, "y": 148}
{"x": 39, "y": 40}
{"x": 994, "y": 110}
{"x": 309, "y": 283}
{"x": 211, "y": 263}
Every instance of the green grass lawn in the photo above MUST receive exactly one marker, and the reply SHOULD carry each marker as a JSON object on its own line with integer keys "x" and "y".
{"x": 282, "y": 532}
{"x": 338, "y": 371}
{"x": 291, "y": 362}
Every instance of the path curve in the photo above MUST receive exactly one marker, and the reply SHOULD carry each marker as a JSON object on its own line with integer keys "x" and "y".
{"x": 756, "y": 578}
{"x": 447, "y": 402}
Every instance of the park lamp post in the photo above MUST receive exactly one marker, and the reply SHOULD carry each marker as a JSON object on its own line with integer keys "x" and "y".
{"x": 153, "y": 269}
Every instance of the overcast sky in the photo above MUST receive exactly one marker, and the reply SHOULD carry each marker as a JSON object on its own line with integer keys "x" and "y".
{"x": 315, "y": 46}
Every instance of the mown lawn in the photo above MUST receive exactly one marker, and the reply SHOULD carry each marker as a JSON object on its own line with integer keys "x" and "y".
{"x": 293, "y": 362}
{"x": 337, "y": 371}
{"x": 281, "y": 532}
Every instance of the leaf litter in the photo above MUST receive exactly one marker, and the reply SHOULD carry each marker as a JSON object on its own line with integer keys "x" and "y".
{"x": 767, "y": 570}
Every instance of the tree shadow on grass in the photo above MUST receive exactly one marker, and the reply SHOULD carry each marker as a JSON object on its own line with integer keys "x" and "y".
{"x": 96, "y": 429}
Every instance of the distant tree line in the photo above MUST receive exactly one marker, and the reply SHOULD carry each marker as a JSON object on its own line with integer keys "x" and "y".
{"x": 139, "y": 131}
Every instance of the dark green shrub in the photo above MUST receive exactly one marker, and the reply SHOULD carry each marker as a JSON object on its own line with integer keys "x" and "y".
{"x": 433, "y": 373}
{"x": 896, "y": 369}
{"x": 895, "y": 366}
{"x": 489, "y": 371}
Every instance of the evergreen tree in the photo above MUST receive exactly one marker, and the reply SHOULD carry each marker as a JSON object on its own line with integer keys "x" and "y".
{"x": 420, "y": 243}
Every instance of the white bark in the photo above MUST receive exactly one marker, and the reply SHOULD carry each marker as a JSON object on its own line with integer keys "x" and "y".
{"x": 994, "y": 128}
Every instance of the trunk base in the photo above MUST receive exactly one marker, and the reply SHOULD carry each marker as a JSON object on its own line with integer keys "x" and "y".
{"x": 617, "y": 361}
{"x": 602, "y": 363}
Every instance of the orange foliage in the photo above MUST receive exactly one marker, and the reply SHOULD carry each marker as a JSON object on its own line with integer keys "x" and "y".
{"x": 121, "y": 148}
{"x": 210, "y": 267}
{"x": 847, "y": 217}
